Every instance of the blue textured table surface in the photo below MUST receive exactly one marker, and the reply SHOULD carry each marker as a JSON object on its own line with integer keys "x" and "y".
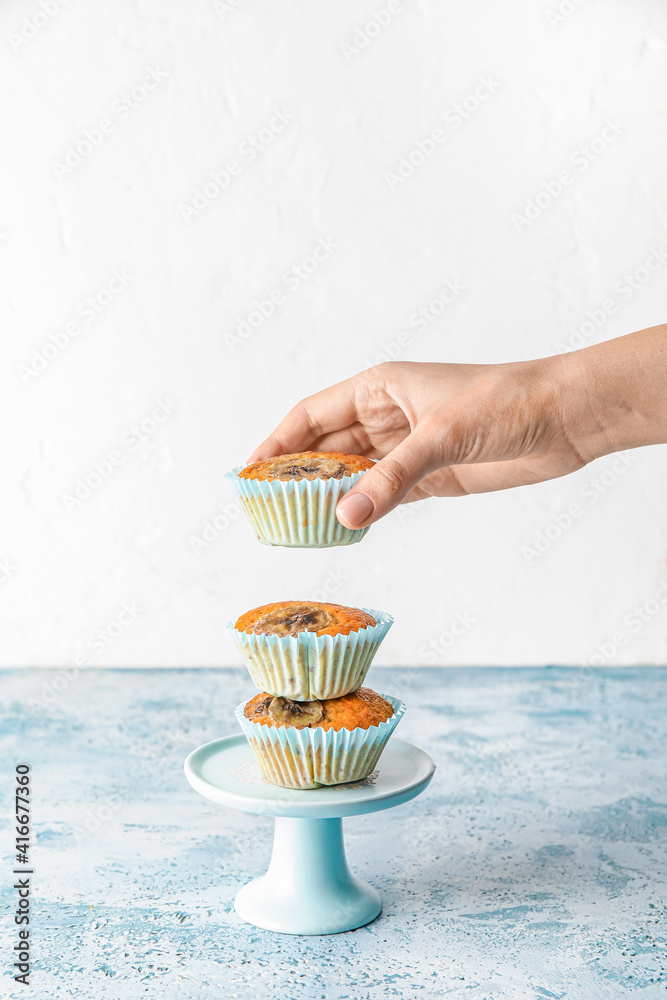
{"x": 533, "y": 866}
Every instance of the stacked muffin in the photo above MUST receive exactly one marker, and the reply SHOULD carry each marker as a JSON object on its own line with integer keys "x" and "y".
{"x": 312, "y": 723}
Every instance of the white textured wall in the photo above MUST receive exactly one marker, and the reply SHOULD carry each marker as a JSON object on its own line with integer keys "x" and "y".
{"x": 127, "y": 272}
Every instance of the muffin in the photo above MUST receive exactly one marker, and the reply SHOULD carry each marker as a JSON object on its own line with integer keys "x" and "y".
{"x": 307, "y": 465}
{"x": 291, "y": 499}
{"x": 319, "y": 742}
{"x": 306, "y": 649}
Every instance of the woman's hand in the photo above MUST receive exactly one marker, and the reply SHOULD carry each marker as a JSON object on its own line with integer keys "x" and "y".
{"x": 449, "y": 429}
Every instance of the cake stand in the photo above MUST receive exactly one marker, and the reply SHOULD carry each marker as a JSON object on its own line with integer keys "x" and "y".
{"x": 308, "y": 888}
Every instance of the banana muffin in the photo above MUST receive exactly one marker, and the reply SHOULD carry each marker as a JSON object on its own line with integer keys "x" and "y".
{"x": 307, "y": 465}
{"x": 359, "y": 709}
{"x": 292, "y": 617}
{"x": 291, "y": 499}
{"x": 304, "y": 650}
{"x": 327, "y": 742}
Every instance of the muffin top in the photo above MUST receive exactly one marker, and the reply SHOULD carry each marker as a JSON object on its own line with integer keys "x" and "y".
{"x": 357, "y": 710}
{"x": 292, "y": 617}
{"x": 307, "y": 465}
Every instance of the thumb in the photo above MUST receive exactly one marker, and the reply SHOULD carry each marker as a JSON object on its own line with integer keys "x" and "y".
{"x": 384, "y": 486}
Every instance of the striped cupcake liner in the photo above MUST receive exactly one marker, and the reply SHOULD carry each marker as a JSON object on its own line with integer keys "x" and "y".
{"x": 307, "y": 666}
{"x": 295, "y": 512}
{"x": 309, "y": 758}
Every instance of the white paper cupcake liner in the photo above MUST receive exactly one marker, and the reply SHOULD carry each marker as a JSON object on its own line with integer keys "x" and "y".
{"x": 295, "y": 512}
{"x": 308, "y": 758}
{"x": 307, "y": 666}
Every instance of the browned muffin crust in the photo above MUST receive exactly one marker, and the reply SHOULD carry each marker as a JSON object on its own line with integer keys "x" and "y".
{"x": 291, "y": 617}
{"x": 357, "y": 710}
{"x": 307, "y": 465}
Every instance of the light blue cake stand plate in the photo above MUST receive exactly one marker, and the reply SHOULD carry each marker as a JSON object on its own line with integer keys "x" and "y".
{"x": 308, "y": 888}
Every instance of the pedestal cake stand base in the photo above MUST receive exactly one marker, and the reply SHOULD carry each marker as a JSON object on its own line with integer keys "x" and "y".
{"x": 308, "y": 888}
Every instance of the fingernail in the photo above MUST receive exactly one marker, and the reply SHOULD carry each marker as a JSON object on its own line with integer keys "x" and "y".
{"x": 354, "y": 509}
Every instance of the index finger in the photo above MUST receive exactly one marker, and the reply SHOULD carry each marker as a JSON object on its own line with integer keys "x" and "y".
{"x": 332, "y": 409}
